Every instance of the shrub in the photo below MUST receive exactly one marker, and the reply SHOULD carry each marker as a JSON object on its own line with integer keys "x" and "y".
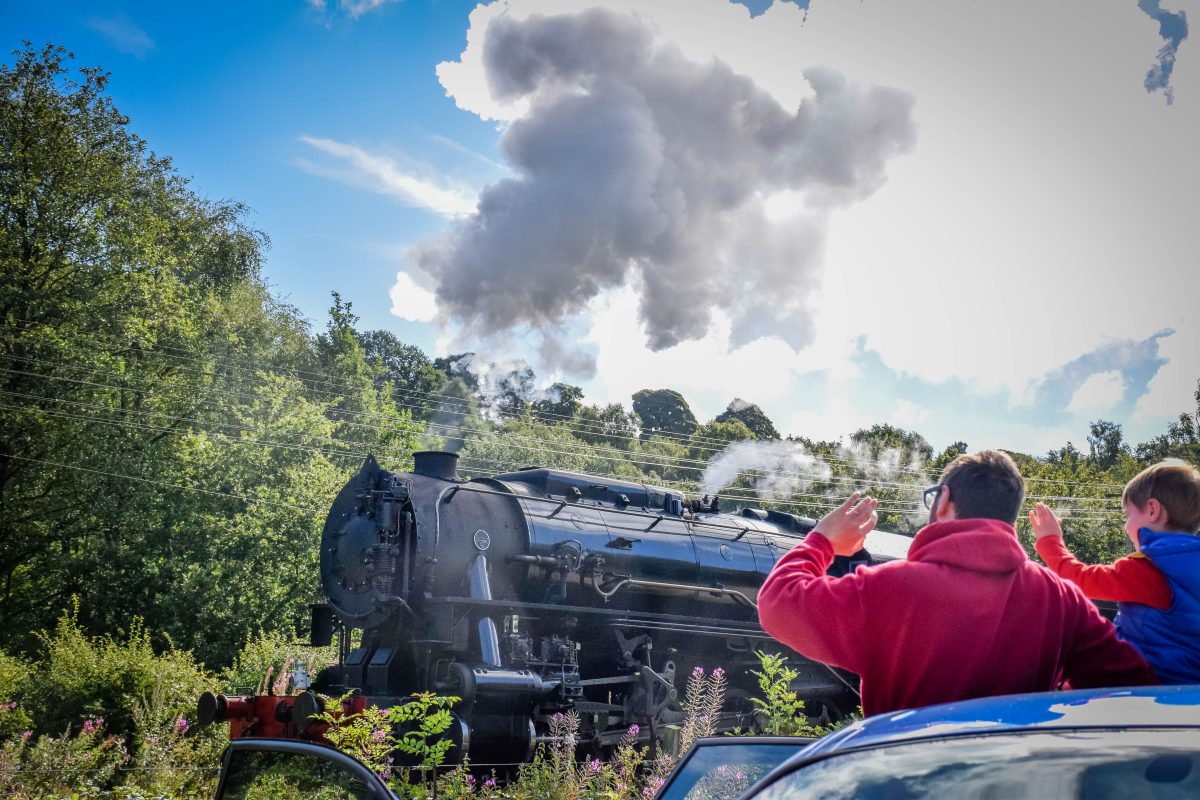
{"x": 83, "y": 677}
{"x": 274, "y": 653}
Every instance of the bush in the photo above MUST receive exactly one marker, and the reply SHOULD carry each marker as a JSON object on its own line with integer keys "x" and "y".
{"x": 14, "y": 676}
{"x": 84, "y": 677}
{"x": 276, "y": 654}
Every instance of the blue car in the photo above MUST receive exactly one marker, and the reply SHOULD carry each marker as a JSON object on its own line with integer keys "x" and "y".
{"x": 1094, "y": 743}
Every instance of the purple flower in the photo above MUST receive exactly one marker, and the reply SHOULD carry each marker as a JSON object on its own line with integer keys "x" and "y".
{"x": 25, "y": 735}
{"x": 634, "y": 730}
{"x": 90, "y": 726}
{"x": 648, "y": 792}
{"x": 470, "y": 780}
{"x": 378, "y": 735}
{"x": 558, "y": 717}
{"x": 9, "y": 706}
{"x": 490, "y": 783}
{"x": 151, "y": 740}
{"x": 181, "y": 725}
{"x": 718, "y": 672}
{"x": 697, "y": 672}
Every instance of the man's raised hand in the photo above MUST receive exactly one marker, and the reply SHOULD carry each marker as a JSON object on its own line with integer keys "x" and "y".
{"x": 847, "y": 526}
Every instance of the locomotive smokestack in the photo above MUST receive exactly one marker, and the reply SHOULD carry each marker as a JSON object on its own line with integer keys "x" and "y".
{"x": 436, "y": 464}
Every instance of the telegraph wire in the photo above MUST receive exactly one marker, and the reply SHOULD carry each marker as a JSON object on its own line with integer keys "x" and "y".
{"x": 464, "y": 410}
{"x": 619, "y": 455}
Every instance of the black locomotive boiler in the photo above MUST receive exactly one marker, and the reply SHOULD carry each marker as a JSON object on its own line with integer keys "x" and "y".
{"x": 540, "y": 591}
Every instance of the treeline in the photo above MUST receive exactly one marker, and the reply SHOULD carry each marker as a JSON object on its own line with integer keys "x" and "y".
{"x": 171, "y": 434}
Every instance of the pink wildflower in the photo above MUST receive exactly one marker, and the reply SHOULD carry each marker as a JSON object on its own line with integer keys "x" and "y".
{"x": 378, "y": 735}
{"x": 470, "y": 780}
{"x": 9, "y": 706}
{"x": 25, "y": 735}
{"x": 151, "y": 740}
{"x": 697, "y": 672}
{"x": 490, "y": 783}
{"x": 90, "y": 726}
{"x": 718, "y": 672}
{"x": 181, "y": 725}
{"x": 634, "y": 730}
{"x": 594, "y": 765}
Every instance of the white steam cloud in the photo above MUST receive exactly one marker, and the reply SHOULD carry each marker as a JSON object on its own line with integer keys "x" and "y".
{"x": 634, "y": 165}
{"x": 781, "y": 470}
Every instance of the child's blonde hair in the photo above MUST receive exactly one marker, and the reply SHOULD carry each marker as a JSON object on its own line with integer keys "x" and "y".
{"x": 1175, "y": 484}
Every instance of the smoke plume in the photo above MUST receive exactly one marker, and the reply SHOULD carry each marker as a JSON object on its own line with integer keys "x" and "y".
{"x": 633, "y": 164}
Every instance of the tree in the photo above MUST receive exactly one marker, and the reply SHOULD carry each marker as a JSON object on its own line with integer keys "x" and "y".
{"x": 414, "y": 379}
{"x": 1182, "y": 439}
{"x": 1107, "y": 443}
{"x": 882, "y": 437}
{"x": 951, "y": 452}
{"x": 663, "y": 411}
{"x": 115, "y": 283}
{"x": 611, "y": 425}
{"x": 751, "y": 416}
{"x": 169, "y": 444}
{"x": 561, "y": 403}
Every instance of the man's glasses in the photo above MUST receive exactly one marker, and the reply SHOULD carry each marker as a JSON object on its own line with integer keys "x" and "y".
{"x": 931, "y": 496}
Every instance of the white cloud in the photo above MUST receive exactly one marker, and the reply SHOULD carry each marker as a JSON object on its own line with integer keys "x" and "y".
{"x": 1045, "y": 212}
{"x": 123, "y": 34}
{"x": 908, "y": 414}
{"x": 385, "y": 175}
{"x": 411, "y": 301}
{"x": 1100, "y": 392}
{"x": 1172, "y": 390}
{"x": 353, "y": 8}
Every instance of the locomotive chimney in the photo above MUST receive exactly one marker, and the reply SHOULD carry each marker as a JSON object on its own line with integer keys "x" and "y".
{"x": 436, "y": 464}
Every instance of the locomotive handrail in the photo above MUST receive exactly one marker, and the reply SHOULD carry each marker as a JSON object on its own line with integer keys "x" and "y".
{"x": 657, "y": 518}
{"x": 720, "y": 591}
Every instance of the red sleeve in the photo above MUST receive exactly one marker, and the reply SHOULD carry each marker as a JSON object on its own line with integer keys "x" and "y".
{"x": 815, "y": 615}
{"x": 1132, "y": 579}
{"x": 1095, "y": 657}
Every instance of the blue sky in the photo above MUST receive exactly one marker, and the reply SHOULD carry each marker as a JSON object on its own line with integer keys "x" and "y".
{"x": 991, "y": 239}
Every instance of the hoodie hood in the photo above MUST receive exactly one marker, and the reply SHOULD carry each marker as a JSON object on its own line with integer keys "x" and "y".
{"x": 980, "y": 545}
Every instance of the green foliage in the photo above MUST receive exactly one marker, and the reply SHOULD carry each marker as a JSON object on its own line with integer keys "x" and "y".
{"x": 270, "y": 656}
{"x": 82, "y": 676}
{"x": 14, "y": 678}
{"x": 85, "y": 761}
{"x": 373, "y": 734}
{"x": 561, "y": 404}
{"x": 554, "y": 773}
{"x": 663, "y": 411}
{"x": 781, "y": 711}
{"x": 750, "y": 415}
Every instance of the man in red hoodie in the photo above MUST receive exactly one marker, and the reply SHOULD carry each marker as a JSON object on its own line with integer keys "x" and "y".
{"x": 967, "y": 614}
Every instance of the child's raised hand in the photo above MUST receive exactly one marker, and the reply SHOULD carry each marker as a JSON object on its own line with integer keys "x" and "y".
{"x": 1043, "y": 522}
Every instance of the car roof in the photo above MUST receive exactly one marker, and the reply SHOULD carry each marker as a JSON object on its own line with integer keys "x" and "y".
{"x": 1140, "y": 706}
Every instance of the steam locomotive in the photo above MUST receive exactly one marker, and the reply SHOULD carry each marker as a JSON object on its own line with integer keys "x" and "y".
{"x": 536, "y": 592}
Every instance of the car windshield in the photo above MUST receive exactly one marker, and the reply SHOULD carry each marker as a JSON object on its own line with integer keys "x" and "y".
{"x": 1101, "y": 764}
{"x": 723, "y": 772}
{"x": 270, "y": 775}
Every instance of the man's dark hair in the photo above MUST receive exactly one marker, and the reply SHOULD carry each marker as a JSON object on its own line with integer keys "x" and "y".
{"x": 985, "y": 485}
